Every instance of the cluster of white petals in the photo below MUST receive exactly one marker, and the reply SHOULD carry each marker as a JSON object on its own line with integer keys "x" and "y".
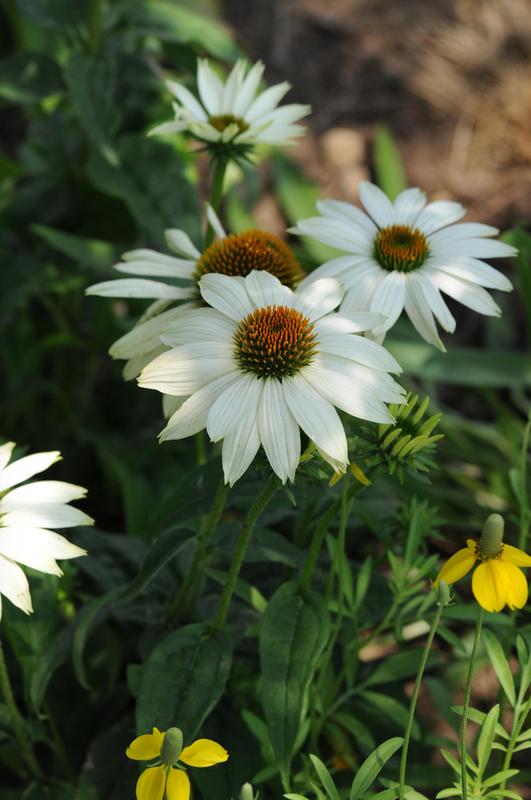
{"x": 453, "y": 263}
{"x": 246, "y": 409}
{"x": 234, "y": 110}
{"x": 27, "y": 512}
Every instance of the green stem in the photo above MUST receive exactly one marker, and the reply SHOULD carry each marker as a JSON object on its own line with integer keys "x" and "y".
{"x": 316, "y": 544}
{"x": 466, "y": 703}
{"x": 519, "y": 718}
{"x": 216, "y": 193}
{"x": 94, "y": 24}
{"x": 524, "y": 510}
{"x": 414, "y": 698}
{"x": 185, "y": 594}
{"x": 268, "y": 490}
{"x": 17, "y": 721}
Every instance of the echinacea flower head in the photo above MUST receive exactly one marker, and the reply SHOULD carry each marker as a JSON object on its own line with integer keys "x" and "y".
{"x": 167, "y": 778}
{"x": 498, "y": 580}
{"x": 231, "y": 116}
{"x": 27, "y": 512}
{"x": 178, "y": 291}
{"x": 403, "y": 254}
{"x": 264, "y": 361}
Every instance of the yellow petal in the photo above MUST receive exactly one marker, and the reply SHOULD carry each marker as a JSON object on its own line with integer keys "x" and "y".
{"x": 146, "y": 747}
{"x": 518, "y": 591}
{"x": 178, "y": 786}
{"x": 516, "y": 556}
{"x": 151, "y": 784}
{"x": 490, "y": 585}
{"x": 203, "y": 753}
{"x": 457, "y": 566}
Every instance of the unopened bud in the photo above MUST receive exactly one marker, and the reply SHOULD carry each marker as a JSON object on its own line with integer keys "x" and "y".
{"x": 172, "y": 746}
{"x": 246, "y": 792}
{"x": 492, "y": 536}
{"x": 443, "y": 593}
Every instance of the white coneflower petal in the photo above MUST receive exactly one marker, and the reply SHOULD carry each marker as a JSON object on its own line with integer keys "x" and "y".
{"x": 402, "y": 255}
{"x": 41, "y": 492}
{"x": 232, "y": 115}
{"x": 265, "y": 361}
{"x": 26, "y": 467}
{"x": 230, "y": 254}
{"x": 14, "y": 585}
{"x": 26, "y": 512}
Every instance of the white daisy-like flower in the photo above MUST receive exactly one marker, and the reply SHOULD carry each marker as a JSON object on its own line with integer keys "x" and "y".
{"x": 264, "y": 361}
{"x": 402, "y": 255}
{"x": 234, "y": 113}
{"x": 232, "y": 254}
{"x": 27, "y": 512}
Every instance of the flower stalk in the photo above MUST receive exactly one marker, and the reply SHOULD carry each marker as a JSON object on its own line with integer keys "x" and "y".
{"x": 442, "y": 601}
{"x": 466, "y": 705}
{"x": 270, "y": 487}
{"x": 17, "y": 720}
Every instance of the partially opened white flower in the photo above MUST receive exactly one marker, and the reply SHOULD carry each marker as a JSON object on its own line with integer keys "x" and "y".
{"x": 234, "y": 113}
{"x": 233, "y": 254}
{"x": 264, "y": 361}
{"x": 402, "y": 255}
{"x": 27, "y": 511}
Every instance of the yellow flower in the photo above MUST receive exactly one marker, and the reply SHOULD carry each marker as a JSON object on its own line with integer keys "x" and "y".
{"x": 498, "y": 580}
{"x": 167, "y": 778}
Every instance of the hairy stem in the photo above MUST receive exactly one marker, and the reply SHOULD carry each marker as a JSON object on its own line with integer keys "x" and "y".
{"x": 414, "y": 698}
{"x": 17, "y": 721}
{"x": 216, "y": 193}
{"x": 466, "y": 704}
{"x": 268, "y": 490}
{"x": 185, "y": 595}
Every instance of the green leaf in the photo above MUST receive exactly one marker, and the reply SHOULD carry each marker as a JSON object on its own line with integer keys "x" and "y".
{"x": 92, "y": 614}
{"x": 56, "y": 14}
{"x": 448, "y": 793}
{"x": 504, "y": 775}
{"x": 160, "y": 553}
{"x": 55, "y": 654}
{"x": 398, "y": 666}
{"x": 175, "y": 23}
{"x": 474, "y": 715}
{"x": 325, "y": 778}
{"x": 292, "y": 796}
{"x": 372, "y": 766}
{"x": 183, "y": 679}
{"x": 151, "y": 182}
{"x": 28, "y": 78}
{"x": 500, "y": 664}
{"x": 390, "y": 173}
{"x": 486, "y": 738}
{"x": 391, "y": 710}
{"x": 88, "y": 87}
{"x": 462, "y": 366}
{"x": 86, "y": 252}
{"x": 293, "y": 634}
{"x": 359, "y": 731}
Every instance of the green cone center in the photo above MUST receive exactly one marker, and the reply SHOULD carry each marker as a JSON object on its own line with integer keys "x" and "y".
{"x": 400, "y": 247}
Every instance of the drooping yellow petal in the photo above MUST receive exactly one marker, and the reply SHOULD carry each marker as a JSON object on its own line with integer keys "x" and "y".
{"x": 516, "y": 556}
{"x": 151, "y": 784}
{"x": 490, "y": 585}
{"x": 178, "y": 785}
{"x": 146, "y": 747}
{"x": 518, "y": 590}
{"x": 203, "y": 753}
{"x": 457, "y": 566}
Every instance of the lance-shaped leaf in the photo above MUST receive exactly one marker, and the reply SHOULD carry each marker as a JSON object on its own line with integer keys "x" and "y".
{"x": 183, "y": 679}
{"x": 293, "y": 634}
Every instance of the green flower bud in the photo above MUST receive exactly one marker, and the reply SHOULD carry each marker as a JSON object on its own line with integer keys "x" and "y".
{"x": 443, "y": 594}
{"x": 246, "y": 792}
{"x": 491, "y": 539}
{"x": 172, "y": 746}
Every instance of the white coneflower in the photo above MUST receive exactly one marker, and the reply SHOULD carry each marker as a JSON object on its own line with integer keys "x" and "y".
{"x": 26, "y": 513}
{"x": 233, "y": 115}
{"x": 264, "y": 361}
{"x": 233, "y": 254}
{"x": 402, "y": 255}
